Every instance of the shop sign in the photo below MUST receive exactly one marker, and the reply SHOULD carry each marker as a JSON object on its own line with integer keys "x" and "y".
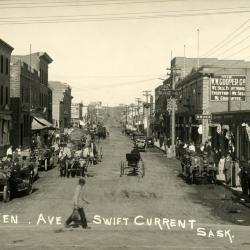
{"x": 203, "y": 117}
{"x": 221, "y": 87}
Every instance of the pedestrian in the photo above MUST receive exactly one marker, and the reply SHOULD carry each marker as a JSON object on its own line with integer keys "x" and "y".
{"x": 79, "y": 202}
{"x": 161, "y": 140}
{"x": 221, "y": 175}
{"x": 191, "y": 147}
{"x": 243, "y": 175}
{"x": 228, "y": 168}
{"x": 9, "y": 151}
{"x": 165, "y": 142}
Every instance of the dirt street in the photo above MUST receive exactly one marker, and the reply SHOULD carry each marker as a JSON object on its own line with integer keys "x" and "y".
{"x": 159, "y": 211}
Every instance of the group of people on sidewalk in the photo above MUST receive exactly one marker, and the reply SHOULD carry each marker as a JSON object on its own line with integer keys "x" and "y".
{"x": 229, "y": 169}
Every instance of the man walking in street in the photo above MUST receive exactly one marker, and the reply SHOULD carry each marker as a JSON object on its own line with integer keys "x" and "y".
{"x": 79, "y": 202}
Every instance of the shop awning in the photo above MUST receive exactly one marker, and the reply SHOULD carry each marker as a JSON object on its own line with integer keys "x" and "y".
{"x": 37, "y": 126}
{"x": 39, "y": 123}
{"x": 43, "y": 121}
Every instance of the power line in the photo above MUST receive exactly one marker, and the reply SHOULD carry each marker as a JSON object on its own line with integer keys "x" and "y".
{"x": 243, "y": 40}
{"x": 225, "y": 39}
{"x": 119, "y": 14}
{"x": 235, "y": 36}
{"x": 30, "y": 5}
{"x": 119, "y": 18}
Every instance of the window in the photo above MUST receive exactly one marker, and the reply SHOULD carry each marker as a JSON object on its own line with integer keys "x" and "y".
{"x": 1, "y": 64}
{"x": 1, "y": 96}
{"x": 6, "y": 66}
{"x": 22, "y": 94}
{"x": 6, "y": 95}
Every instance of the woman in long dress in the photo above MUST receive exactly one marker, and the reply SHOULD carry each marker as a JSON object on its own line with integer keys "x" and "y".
{"x": 221, "y": 176}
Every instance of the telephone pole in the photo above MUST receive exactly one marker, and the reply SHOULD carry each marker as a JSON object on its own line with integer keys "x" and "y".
{"x": 173, "y": 107}
{"x": 147, "y": 94}
{"x": 138, "y": 100}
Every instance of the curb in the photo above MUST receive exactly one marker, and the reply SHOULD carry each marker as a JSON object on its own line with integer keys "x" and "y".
{"x": 159, "y": 148}
{"x": 239, "y": 194}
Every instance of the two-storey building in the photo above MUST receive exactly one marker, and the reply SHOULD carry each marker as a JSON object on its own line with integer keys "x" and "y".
{"x": 5, "y": 113}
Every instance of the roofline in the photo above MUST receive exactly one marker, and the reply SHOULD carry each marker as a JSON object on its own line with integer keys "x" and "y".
{"x": 47, "y": 57}
{"x": 6, "y": 44}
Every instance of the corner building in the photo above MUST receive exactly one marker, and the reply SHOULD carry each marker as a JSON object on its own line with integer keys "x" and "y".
{"x": 5, "y": 113}
{"x": 206, "y": 95}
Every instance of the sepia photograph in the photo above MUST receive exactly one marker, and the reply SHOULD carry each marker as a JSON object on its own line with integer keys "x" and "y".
{"x": 124, "y": 124}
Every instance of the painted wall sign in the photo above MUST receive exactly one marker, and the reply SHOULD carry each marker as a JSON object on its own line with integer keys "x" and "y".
{"x": 223, "y": 86}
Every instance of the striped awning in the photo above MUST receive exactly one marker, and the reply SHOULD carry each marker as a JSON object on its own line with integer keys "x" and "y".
{"x": 39, "y": 123}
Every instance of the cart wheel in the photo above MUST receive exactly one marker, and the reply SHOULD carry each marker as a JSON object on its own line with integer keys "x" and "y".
{"x": 6, "y": 193}
{"x": 143, "y": 170}
{"x": 29, "y": 190}
{"x": 122, "y": 169}
{"x": 45, "y": 164}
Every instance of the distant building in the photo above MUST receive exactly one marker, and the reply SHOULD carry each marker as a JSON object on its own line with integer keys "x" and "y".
{"x": 61, "y": 108}
{"x": 76, "y": 114}
{"x": 5, "y": 113}
{"x": 30, "y": 97}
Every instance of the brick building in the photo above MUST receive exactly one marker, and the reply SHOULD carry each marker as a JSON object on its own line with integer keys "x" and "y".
{"x": 5, "y": 113}
{"x": 216, "y": 87}
{"x": 161, "y": 118}
{"x": 61, "y": 104}
{"x": 30, "y": 97}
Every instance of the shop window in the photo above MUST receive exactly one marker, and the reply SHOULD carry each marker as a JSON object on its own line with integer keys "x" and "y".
{"x": 22, "y": 95}
{"x": 6, "y": 95}
{"x": 1, "y": 64}
{"x": 6, "y": 66}
{"x": 1, "y": 95}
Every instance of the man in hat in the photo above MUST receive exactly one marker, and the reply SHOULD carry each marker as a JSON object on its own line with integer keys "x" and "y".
{"x": 79, "y": 202}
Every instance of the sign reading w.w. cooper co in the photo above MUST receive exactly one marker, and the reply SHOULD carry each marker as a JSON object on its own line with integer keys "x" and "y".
{"x": 225, "y": 86}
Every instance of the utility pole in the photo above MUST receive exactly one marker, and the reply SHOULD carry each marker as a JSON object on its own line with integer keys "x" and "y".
{"x": 173, "y": 74}
{"x": 198, "y": 48}
{"x": 147, "y": 94}
{"x": 138, "y": 100}
{"x": 229, "y": 98}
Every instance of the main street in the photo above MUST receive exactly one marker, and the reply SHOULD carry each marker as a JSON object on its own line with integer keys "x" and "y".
{"x": 161, "y": 193}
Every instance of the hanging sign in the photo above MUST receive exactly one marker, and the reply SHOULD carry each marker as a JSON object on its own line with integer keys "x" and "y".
{"x": 225, "y": 86}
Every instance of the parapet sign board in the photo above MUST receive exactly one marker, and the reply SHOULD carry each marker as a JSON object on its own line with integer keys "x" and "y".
{"x": 221, "y": 86}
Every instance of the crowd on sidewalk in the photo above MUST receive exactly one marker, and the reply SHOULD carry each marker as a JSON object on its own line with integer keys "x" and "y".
{"x": 230, "y": 170}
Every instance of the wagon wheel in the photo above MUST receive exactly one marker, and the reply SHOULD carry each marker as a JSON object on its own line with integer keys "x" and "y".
{"x": 122, "y": 169}
{"x": 45, "y": 164}
{"x": 101, "y": 155}
{"x": 143, "y": 169}
{"x": 6, "y": 193}
{"x": 29, "y": 189}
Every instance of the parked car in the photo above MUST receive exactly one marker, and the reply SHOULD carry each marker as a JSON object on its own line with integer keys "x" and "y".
{"x": 150, "y": 142}
{"x": 140, "y": 142}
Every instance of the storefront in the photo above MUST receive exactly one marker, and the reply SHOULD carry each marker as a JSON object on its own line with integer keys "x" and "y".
{"x": 231, "y": 132}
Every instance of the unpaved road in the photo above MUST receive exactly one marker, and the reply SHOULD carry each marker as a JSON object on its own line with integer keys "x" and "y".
{"x": 160, "y": 194}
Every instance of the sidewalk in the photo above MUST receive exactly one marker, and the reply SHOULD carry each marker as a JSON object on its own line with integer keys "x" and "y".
{"x": 235, "y": 190}
{"x": 157, "y": 145}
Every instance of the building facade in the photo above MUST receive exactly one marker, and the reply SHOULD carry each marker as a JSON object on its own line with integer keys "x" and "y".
{"x": 5, "y": 113}
{"x": 29, "y": 97}
{"x": 76, "y": 114}
{"x": 61, "y": 104}
{"x": 216, "y": 88}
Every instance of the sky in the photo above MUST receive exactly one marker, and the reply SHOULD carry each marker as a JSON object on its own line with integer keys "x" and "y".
{"x": 113, "y": 50}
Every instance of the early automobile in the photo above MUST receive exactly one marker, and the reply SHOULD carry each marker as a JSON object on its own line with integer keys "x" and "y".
{"x": 14, "y": 178}
{"x": 140, "y": 142}
{"x": 150, "y": 141}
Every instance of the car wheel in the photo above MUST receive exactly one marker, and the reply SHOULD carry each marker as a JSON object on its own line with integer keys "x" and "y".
{"x": 6, "y": 193}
